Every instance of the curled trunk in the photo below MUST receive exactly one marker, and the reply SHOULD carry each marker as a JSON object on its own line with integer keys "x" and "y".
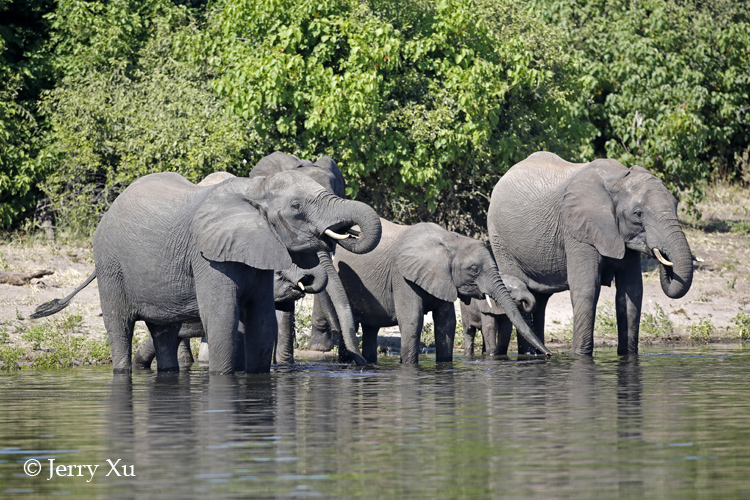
{"x": 359, "y": 214}
{"x": 676, "y": 279}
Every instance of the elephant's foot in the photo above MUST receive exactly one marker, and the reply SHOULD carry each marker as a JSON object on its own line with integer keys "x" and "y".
{"x": 184, "y": 355}
{"x": 140, "y": 362}
{"x": 320, "y": 341}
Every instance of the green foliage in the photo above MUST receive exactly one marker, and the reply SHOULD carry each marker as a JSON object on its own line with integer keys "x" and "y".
{"x": 742, "y": 325}
{"x": 427, "y": 337}
{"x": 657, "y": 324}
{"x": 421, "y": 101}
{"x": 606, "y": 318}
{"x": 670, "y": 82}
{"x": 134, "y": 100}
{"x": 702, "y": 331}
{"x": 23, "y": 72}
{"x": 56, "y": 343}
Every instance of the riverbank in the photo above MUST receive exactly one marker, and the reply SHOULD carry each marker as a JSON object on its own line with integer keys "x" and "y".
{"x": 716, "y": 309}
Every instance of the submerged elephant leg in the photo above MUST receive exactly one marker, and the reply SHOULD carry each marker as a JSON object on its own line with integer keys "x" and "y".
{"x": 321, "y": 338}
{"x": 445, "y": 332}
{"x": 120, "y": 335}
{"x": 203, "y": 350}
{"x": 504, "y": 331}
{"x": 165, "y": 345}
{"x": 370, "y": 343}
{"x": 585, "y": 283}
{"x": 628, "y": 300}
{"x": 537, "y": 319}
{"x": 489, "y": 333}
{"x": 184, "y": 353}
{"x": 145, "y": 355}
{"x": 284, "y": 352}
{"x": 261, "y": 331}
{"x": 469, "y": 334}
{"x": 410, "y": 315}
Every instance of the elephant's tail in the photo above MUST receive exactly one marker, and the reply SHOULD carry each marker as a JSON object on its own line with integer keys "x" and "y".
{"x": 53, "y": 306}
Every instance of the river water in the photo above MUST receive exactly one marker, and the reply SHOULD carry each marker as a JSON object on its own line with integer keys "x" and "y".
{"x": 670, "y": 423}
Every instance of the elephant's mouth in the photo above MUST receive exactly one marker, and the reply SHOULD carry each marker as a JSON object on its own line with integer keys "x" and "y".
{"x": 661, "y": 258}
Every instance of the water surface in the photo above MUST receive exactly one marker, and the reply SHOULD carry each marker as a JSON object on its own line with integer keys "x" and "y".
{"x": 671, "y": 423}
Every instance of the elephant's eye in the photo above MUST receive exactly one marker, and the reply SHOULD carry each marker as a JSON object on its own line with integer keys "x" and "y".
{"x": 474, "y": 269}
{"x": 638, "y": 214}
{"x": 296, "y": 205}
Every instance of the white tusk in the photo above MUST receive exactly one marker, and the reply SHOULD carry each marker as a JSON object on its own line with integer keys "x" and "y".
{"x": 488, "y": 300}
{"x": 698, "y": 259}
{"x": 336, "y": 236}
{"x": 301, "y": 286}
{"x": 661, "y": 258}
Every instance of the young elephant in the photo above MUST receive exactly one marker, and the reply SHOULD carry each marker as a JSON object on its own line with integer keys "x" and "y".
{"x": 168, "y": 252}
{"x": 490, "y": 318}
{"x": 415, "y": 270}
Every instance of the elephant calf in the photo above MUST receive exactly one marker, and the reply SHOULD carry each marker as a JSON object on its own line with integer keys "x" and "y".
{"x": 490, "y": 318}
{"x": 415, "y": 270}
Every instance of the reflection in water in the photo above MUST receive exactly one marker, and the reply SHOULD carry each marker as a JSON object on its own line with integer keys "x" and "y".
{"x": 480, "y": 428}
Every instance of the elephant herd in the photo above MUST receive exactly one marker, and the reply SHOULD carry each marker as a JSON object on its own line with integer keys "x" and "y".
{"x": 226, "y": 260}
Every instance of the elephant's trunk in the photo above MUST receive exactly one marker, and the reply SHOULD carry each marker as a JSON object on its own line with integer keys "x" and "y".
{"x": 354, "y": 213}
{"x": 335, "y": 290}
{"x": 313, "y": 280}
{"x": 677, "y": 278}
{"x": 492, "y": 285}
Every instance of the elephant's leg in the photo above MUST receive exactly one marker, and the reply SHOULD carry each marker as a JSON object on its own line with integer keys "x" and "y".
{"x": 504, "y": 331}
{"x": 469, "y": 334}
{"x": 489, "y": 333}
{"x": 537, "y": 319}
{"x": 321, "y": 338}
{"x": 261, "y": 330}
{"x": 165, "y": 345}
{"x": 184, "y": 353}
{"x": 145, "y": 355}
{"x": 410, "y": 316}
{"x": 203, "y": 350}
{"x": 120, "y": 334}
{"x": 284, "y": 352}
{"x": 445, "y": 332}
{"x": 585, "y": 283}
{"x": 628, "y": 300}
{"x": 370, "y": 343}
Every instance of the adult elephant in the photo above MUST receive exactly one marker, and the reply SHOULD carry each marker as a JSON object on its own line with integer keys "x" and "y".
{"x": 490, "y": 318}
{"x": 289, "y": 286}
{"x": 558, "y": 225}
{"x": 325, "y": 172}
{"x": 168, "y": 251}
{"x": 415, "y": 270}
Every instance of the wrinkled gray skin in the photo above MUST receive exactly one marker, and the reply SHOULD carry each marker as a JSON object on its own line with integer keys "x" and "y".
{"x": 557, "y": 225}
{"x": 289, "y": 285}
{"x": 415, "y": 270}
{"x": 332, "y": 300}
{"x": 168, "y": 251}
{"x": 491, "y": 320}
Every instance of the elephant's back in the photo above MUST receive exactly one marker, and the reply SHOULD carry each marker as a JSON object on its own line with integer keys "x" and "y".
{"x": 523, "y": 220}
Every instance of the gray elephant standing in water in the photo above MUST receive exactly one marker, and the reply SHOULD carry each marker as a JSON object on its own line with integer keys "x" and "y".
{"x": 168, "y": 251}
{"x": 415, "y": 270}
{"x": 490, "y": 319}
{"x": 557, "y": 225}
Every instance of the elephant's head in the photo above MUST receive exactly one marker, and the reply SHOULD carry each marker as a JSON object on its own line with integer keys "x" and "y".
{"x": 613, "y": 208}
{"x": 292, "y": 283}
{"x": 450, "y": 266}
{"x": 324, "y": 171}
{"x": 519, "y": 292}
{"x": 263, "y": 222}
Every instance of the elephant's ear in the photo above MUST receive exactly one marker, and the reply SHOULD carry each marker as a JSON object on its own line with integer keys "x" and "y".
{"x": 425, "y": 261}
{"x": 230, "y": 227}
{"x": 589, "y": 215}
